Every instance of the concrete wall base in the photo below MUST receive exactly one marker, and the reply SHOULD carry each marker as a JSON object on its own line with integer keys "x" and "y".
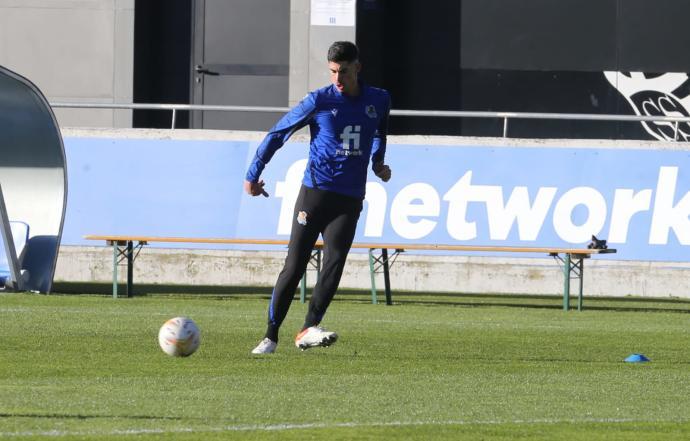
{"x": 423, "y": 273}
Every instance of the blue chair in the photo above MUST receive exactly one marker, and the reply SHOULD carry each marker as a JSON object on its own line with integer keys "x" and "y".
{"x": 20, "y": 236}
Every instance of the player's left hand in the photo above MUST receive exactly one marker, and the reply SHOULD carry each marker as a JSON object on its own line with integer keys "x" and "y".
{"x": 255, "y": 188}
{"x": 382, "y": 171}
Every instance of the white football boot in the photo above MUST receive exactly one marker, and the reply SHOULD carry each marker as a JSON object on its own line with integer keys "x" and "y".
{"x": 315, "y": 336}
{"x": 266, "y": 346}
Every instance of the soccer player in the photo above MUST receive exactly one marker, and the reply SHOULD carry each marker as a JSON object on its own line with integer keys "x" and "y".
{"x": 348, "y": 121}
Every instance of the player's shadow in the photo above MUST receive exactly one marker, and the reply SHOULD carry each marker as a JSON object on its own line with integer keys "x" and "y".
{"x": 87, "y": 417}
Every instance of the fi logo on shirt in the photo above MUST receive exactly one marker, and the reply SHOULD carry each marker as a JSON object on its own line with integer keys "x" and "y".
{"x": 350, "y": 138}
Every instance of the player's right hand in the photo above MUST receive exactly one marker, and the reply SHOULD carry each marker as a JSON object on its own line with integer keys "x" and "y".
{"x": 382, "y": 171}
{"x": 255, "y": 188}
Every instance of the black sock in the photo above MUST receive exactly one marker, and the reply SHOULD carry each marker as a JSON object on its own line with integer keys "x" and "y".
{"x": 272, "y": 333}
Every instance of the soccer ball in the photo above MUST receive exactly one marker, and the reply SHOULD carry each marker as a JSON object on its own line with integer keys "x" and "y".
{"x": 179, "y": 337}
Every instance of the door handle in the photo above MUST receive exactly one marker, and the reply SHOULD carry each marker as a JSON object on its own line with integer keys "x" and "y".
{"x": 202, "y": 70}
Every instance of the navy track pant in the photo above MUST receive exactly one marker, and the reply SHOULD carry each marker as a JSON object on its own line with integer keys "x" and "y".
{"x": 332, "y": 215}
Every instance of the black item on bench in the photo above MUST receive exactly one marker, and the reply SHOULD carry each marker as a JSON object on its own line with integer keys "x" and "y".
{"x": 597, "y": 244}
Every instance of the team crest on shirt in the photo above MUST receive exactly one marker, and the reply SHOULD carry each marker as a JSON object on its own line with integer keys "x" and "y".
{"x": 334, "y": 112}
{"x": 302, "y": 218}
{"x": 371, "y": 111}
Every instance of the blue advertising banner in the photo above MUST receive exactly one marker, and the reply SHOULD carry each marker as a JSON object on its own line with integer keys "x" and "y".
{"x": 639, "y": 200}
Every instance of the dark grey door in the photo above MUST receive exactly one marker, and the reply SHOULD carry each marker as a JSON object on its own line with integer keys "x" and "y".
{"x": 240, "y": 57}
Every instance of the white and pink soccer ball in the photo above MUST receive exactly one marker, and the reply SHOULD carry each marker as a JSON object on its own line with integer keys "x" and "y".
{"x": 179, "y": 337}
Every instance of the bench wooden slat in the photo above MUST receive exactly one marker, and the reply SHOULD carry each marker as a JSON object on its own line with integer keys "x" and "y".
{"x": 390, "y": 246}
{"x": 187, "y": 240}
{"x": 496, "y": 249}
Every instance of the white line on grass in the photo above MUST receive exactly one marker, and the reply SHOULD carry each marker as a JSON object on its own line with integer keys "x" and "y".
{"x": 298, "y": 426}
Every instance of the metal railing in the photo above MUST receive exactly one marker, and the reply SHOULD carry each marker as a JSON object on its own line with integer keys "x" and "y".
{"x": 174, "y": 108}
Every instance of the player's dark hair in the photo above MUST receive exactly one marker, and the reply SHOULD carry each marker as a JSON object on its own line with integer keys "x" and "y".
{"x": 343, "y": 51}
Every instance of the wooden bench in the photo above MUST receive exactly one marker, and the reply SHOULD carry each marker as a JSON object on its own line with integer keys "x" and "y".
{"x": 572, "y": 259}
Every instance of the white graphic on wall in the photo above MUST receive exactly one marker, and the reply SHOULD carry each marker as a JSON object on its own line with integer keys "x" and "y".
{"x": 665, "y": 94}
{"x": 419, "y": 209}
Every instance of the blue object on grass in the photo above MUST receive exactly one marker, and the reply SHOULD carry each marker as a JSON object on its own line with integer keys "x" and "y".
{"x": 636, "y": 358}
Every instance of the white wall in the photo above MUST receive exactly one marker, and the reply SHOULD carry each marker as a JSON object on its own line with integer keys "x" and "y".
{"x": 74, "y": 51}
{"x": 83, "y": 50}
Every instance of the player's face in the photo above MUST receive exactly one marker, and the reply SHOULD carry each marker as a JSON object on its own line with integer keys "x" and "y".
{"x": 344, "y": 76}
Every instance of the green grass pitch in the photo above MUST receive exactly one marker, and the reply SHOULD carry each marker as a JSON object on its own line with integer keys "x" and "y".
{"x": 453, "y": 367}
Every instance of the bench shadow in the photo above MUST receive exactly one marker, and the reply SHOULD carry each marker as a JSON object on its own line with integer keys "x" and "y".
{"x": 573, "y": 307}
{"x": 451, "y": 299}
{"x": 474, "y": 300}
{"x": 142, "y": 289}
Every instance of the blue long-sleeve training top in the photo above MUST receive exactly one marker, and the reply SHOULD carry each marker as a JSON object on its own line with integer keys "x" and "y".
{"x": 345, "y": 132}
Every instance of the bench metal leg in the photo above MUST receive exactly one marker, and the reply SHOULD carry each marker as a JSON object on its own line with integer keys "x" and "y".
{"x": 581, "y": 277}
{"x": 315, "y": 261}
{"x": 566, "y": 283}
{"x": 372, "y": 273}
{"x": 318, "y": 265}
{"x": 115, "y": 256}
{"x": 130, "y": 269}
{"x": 128, "y": 252}
{"x": 382, "y": 262}
{"x": 303, "y": 288}
{"x": 386, "y": 276}
{"x": 572, "y": 264}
